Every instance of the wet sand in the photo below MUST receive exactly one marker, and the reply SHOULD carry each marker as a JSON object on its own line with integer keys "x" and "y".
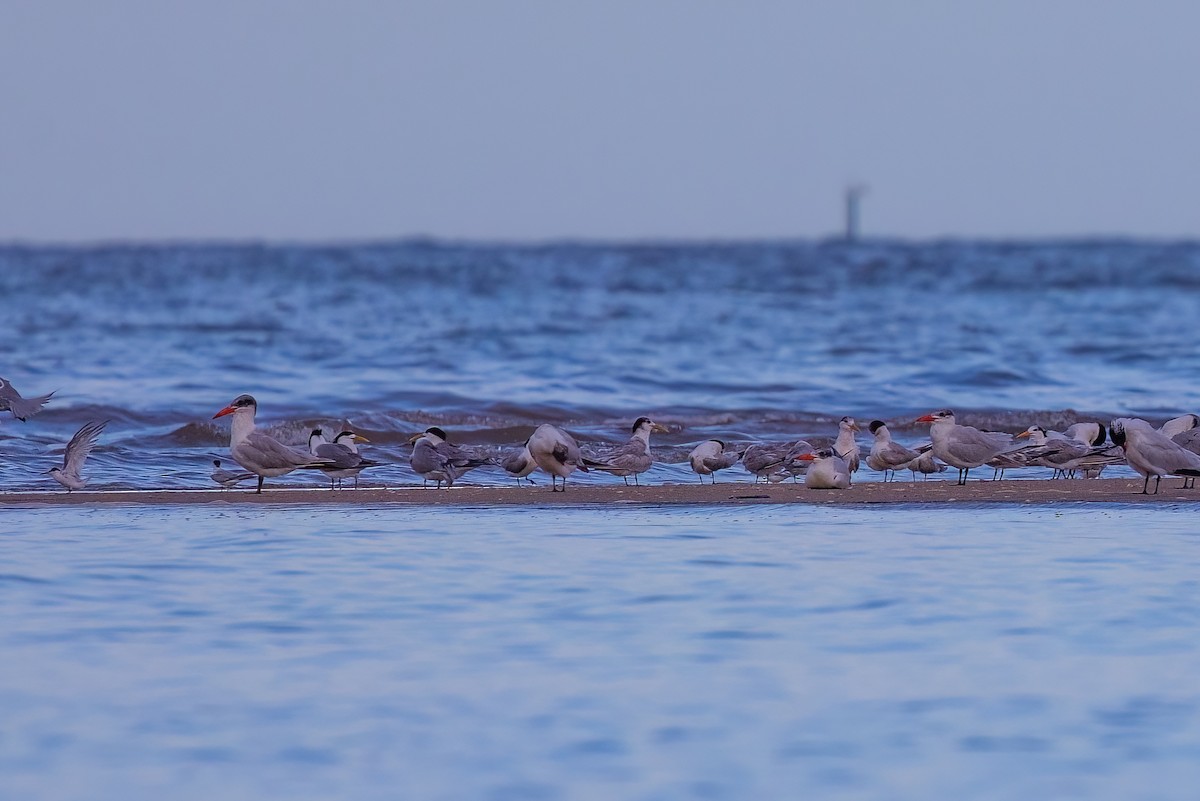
{"x": 1114, "y": 490}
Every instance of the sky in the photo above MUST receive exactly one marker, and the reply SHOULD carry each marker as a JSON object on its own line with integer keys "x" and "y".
{"x": 539, "y": 119}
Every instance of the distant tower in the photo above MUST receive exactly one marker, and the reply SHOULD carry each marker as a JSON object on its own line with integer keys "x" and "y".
{"x": 854, "y": 194}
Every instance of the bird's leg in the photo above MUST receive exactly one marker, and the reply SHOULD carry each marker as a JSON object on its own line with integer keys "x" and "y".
{"x": 636, "y": 483}
{"x": 259, "y": 490}
{"x": 1146, "y": 486}
{"x": 1157, "y": 479}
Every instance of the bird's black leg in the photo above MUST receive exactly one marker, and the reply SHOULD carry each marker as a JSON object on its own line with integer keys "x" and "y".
{"x": 1146, "y": 486}
{"x": 1157, "y": 479}
{"x": 259, "y": 490}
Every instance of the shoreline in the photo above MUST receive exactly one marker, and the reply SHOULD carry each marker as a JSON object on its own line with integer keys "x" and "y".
{"x": 1028, "y": 491}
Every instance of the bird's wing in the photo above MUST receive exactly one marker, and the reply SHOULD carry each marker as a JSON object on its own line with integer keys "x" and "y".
{"x": 21, "y": 408}
{"x": 270, "y": 452}
{"x": 338, "y": 456}
{"x": 80, "y": 446}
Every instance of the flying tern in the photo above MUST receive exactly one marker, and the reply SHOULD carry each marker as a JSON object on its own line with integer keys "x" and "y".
{"x": 21, "y": 408}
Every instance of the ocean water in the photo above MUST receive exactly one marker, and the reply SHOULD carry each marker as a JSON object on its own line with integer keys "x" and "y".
{"x": 600, "y": 653}
{"x": 590, "y": 653}
{"x": 734, "y": 341}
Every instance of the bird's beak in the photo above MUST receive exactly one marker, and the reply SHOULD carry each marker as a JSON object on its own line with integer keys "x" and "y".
{"x": 415, "y": 437}
{"x": 660, "y": 429}
{"x": 360, "y": 438}
{"x": 223, "y": 412}
{"x": 806, "y": 457}
{"x": 929, "y": 418}
{"x": 854, "y": 427}
{"x": 1022, "y": 435}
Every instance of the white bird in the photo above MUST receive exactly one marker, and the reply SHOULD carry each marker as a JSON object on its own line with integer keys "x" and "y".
{"x": 710, "y": 456}
{"x": 964, "y": 447}
{"x": 886, "y": 455}
{"x": 261, "y": 454}
{"x": 434, "y": 458}
{"x": 519, "y": 464}
{"x": 846, "y": 446}
{"x": 632, "y": 458}
{"x": 828, "y": 470}
{"x": 76, "y": 454}
{"x": 556, "y": 452}
{"x": 1152, "y": 453}
{"x": 21, "y": 408}
{"x": 228, "y": 478}
{"x": 1177, "y": 425}
{"x": 342, "y": 454}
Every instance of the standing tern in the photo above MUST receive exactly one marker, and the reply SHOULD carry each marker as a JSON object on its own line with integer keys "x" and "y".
{"x": 434, "y": 458}
{"x": 21, "y": 408}
{"x": 342, "y": 454}
{"x": 228, "y": 478}
{"x": 925, "y": 464}
{"x": 828, "y": 470}
{"x": 75, "y": 455}
{"x": 964, "y": 447}
{"x": 632, "y": 458}
{"x": 846, "y": 446}
{"x": 1151, "y": 453}
{"x": 775, "y": 461}
{"x": 886, "y": 455}
{"x": 519, "y": 464}
{"x": 709, "y": 457}
{"x": 556, "y": 452}
{"x": 261, "y": 454}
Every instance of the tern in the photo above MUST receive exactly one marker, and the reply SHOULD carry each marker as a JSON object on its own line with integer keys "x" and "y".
{"x": 261, "y": 454}
{"x": 828, "y": 470}
{"x": 886, "y": 455}
{"x": 709, "y": 457}
{"x": 632, "y": 458}
{"x": 925, "y": 464}
{"x": 21, "y": 408}
{"x": 556, "y": 452}
{"x": 1152, "y": 453}
{"x": 1189, "y": 440}
{"x": 519, "y": 464}
{"x": 76, "y": 454}
{"x": 964, "y": 447}
{"x": 1176, "y": 425}
{"x": 434, "y": 458}
{"x": 228, "y": 478}
{"x": 775, "y": 461}
{"x": 846, "y": 446}
{"x": 342, "y": 455}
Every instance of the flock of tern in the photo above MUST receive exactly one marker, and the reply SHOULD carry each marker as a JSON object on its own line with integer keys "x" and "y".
{"x": 1082, "y": 449}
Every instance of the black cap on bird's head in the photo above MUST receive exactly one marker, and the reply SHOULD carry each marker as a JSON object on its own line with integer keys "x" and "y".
{"x": 638, "y": 424}
{"x": 1099, "y": 440}
{"x": 437, "y": 432}
{"x": 719, "y": 442}
{"x": 316, "y": 432}
{"x": 240, "y": 402}
{"x": 216, "y": 462}
{"x": 875, "y": 425}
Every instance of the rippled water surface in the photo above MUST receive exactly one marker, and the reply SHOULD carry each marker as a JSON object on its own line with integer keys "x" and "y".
{"x": 737, "y": 341}
{"x": 641, "y": 653}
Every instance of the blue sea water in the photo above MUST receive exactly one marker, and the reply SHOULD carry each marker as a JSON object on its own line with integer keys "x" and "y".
{"x": 599, "y": 653}
{"x": 641, "y": 652}
{"x": 734, "y": 341}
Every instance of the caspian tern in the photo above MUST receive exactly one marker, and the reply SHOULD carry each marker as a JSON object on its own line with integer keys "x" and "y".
{"x": 261, "y": 454}
{"x": 964, "y": 447}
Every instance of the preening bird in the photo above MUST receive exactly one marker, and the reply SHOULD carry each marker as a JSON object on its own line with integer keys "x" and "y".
{"x": 1151, "y": 453}
{"x": 709, "y": 457}
{"x": 556, "y": 452}
{"x": 846, "y": 446}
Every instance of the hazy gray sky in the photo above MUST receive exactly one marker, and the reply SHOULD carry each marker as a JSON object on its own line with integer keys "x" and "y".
{"x": 532, "y": 120}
